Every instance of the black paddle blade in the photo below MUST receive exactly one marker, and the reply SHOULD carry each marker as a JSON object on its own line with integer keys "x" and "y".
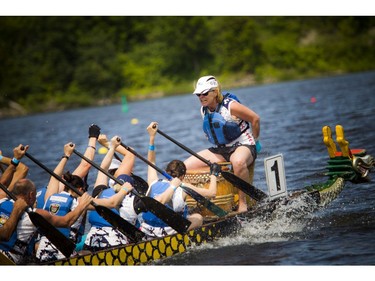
{"x": 215, "y": 209}
{"x": 167, "y": 215}
{"x": 63, "y": 244}
{"x": 246, "y": 187}
{"x": 140, "y": 184}
{"x": 125, "y": 227}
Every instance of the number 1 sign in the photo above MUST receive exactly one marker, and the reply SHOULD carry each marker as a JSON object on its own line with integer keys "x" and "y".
{"x": 275, "y": 176}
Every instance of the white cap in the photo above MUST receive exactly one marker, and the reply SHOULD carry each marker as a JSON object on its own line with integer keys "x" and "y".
{"x": 114, "y": 164}
{"x": 205, "y": 84}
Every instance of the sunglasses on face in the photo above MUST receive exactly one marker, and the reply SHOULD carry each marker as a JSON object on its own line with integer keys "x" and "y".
{"x": 205, "y": 95}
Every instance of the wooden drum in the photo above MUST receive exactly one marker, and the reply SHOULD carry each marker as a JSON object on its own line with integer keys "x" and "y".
{"x": 226, "y": 196}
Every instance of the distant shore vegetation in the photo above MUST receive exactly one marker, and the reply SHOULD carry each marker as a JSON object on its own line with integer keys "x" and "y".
{"x": 51, "y": 63}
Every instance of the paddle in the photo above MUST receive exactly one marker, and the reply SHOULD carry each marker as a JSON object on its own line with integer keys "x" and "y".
{"x": 128, "y": 229}
{"x": 62, "y": 243}
{"x": 177, "y": 222}
{"x": 199, "y": 198}
{"x": 246, "y": 187}
{"x": 140, "y": 184}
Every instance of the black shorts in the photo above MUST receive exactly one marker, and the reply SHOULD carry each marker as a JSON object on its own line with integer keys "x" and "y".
{"x": 227, "y": 151}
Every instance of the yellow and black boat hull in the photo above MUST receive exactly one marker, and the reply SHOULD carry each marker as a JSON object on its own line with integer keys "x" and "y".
{"x": 148, "y": 251}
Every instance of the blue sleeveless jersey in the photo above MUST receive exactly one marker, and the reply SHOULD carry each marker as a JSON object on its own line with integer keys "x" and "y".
{"x": 40, "y": 197}
{"x": 6, "y": 208}
{"x": 60, "y": 204}
{"x": 158, "y": 188}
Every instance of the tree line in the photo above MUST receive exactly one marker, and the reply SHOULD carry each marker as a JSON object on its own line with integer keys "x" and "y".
{"x": 58, "y": 62}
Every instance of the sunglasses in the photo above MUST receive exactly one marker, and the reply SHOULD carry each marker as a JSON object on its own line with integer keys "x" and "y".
{"x": 205, "y": 95}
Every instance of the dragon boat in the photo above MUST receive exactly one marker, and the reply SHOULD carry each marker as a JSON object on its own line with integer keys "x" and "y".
{"x": 351, "y": 165}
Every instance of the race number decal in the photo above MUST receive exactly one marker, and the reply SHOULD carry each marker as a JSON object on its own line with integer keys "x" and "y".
{"x": 275, "y": 176}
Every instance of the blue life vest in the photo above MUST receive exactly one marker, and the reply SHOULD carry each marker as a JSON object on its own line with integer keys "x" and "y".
{"x": 97, "y": 220}
{"x": 60, "y": 204}
{"x": 5, "y": 210}
{"x": 40, "y": 197}
{"x": 158, "y": 188}
{"x": 217, "y": 129}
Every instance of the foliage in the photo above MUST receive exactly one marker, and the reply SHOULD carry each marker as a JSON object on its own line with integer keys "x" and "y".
{"x": 62, "y": 62}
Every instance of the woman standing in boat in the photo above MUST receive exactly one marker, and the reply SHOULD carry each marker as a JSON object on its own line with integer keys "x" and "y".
{"x": 170, "y": 193}
{"x": 231, "y": 127}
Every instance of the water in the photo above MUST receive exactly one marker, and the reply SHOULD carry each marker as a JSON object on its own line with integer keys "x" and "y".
{"x": 291, "y": 123}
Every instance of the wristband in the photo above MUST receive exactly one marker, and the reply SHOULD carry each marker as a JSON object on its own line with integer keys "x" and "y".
{"x": 151, "y": 147}
{"x": 174, "y": 187}
{"x": 65, "y": 156}
{"x": 1, "y": 157}
{"x": 125, "y": 189}
{"x": 15, "y": 161}
{"x": 258, "y": 146}
{"x": 92, "y": 147}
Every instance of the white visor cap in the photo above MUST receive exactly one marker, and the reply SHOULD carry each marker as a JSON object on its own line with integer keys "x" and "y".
{"x": 205, "y": 84}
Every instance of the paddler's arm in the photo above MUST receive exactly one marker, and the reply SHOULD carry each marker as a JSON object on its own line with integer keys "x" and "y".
{"x": 151, "y": 156}
{"x": 127, "y": 164}
{"x": 167, "y": 195}
{"x": 245, "y": 113}
{"x": 84, "y": 167}
{"x": 54, "y": 185}
{"x": 115, "y": 200}
{"x": 16, "y": 170}
{"x": 102, "y": 179}
{"x": 10, "y": 225}
{"x": 212, "y": 189}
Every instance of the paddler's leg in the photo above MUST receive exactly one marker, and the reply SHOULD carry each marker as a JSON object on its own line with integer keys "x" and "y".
{"x": 328, "y": 141}
{"x": 343, "y": 143}
{"x": 193, "y": 162}
{"x": 241, "y": 159}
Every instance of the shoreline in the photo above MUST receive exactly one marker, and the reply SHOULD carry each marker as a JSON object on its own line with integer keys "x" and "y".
{"x": 230, "y": 82}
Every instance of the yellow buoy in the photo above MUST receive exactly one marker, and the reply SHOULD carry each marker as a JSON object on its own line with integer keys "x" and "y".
{"x": 102, "y": 150}
{"x": 134, "y": 121}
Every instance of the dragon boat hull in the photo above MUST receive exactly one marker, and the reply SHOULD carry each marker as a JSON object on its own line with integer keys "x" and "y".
{"x": 350, "y": 165}
{"x": 149, "y": 251}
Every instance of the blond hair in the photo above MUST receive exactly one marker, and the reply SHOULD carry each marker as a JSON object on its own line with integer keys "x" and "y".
{"x": 219, "y": 97}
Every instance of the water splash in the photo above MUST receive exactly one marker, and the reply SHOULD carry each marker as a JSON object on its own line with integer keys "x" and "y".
{"x": 287, "y": 221}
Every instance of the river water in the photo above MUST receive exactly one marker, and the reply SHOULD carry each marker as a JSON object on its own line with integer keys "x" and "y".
{"x": 292, "y": 116}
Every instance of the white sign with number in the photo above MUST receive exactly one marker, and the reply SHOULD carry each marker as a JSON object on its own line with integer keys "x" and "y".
{"x": 275, "y": 176}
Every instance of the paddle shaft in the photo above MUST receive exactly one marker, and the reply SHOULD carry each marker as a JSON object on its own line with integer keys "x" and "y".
{"x": 115, "y": 220}
{"x": 208, "y": 163}
{"x": 246, "y": 187}
{"x": 102, "y": 170}
{"x": 62, "y": 243}
{"x": 214, "y": 208}
{"x": 148, "y": 162}
{"x": 177, "y": 222}
{"x": 54, "y": 175}
{"x": 138, "y": 181}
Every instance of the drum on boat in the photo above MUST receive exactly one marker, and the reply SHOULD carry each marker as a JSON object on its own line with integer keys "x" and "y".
{"x": 227, "y": 194}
